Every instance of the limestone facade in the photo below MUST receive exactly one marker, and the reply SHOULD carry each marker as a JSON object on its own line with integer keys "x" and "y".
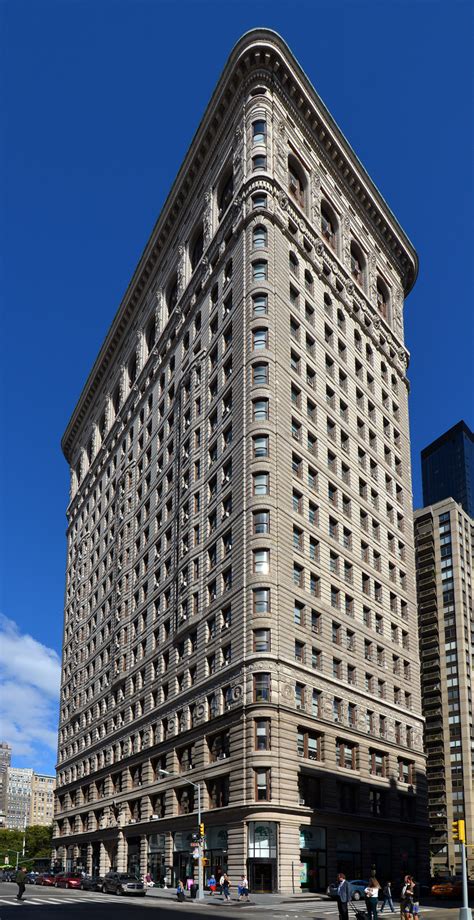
{"x": 240, "y": 597}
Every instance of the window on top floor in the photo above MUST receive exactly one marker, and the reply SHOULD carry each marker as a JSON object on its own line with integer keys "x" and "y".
{"x": 225, "y": 192}
{"x": 382, "y": 298}
{"x": 328, "y": 224}
{"x": 296, "y": 181}
{"x": 357, "y": 263}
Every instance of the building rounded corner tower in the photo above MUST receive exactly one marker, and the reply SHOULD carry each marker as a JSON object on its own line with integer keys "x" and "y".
{"x": 240, "y": 610}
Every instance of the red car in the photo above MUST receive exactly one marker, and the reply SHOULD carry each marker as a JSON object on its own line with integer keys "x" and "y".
{"x": 68, "y": 880}
{"x": 46, "y": 878}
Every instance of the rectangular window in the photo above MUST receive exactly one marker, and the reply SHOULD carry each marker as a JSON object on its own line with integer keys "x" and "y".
{"x": 261, "y": 688}
{"x": 261, "y": 640}
{"x": 261, "y": 522}
{"x": 262, "y": 734}
{"x": 262, "y": 785}
{"x": 261, "y": 601}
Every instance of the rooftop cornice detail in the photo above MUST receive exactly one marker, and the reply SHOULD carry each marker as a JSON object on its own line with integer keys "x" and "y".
{"x": 258, "y": 49}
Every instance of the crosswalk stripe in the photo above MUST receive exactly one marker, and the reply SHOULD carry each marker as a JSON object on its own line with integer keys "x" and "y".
{"x": 3, "y": 901}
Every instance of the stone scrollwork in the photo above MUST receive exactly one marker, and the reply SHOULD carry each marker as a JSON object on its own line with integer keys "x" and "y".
{"x": 207, "y": 219}
{"x": 398, "y": 311}
{"x": 283, "y": 201}
{"x": 237, "y": 692}
{"x": 158, "y": 312}
{"x": 200, "y": 711}
{"x": 181, "y": 270}
{"x": 287, "y": 692}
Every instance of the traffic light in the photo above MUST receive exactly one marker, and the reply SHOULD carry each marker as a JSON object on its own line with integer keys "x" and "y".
{"x": 459, "y": 831}
{"x": 201, "y": 829}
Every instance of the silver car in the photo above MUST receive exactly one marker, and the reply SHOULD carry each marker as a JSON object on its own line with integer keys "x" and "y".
{"x": 123, "y": 883}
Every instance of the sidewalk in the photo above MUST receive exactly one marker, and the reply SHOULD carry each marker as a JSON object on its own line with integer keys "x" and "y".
{"x": 169, "y": 894}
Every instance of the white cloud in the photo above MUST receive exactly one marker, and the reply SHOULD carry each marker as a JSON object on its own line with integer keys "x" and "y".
{"x": 29, "y": 696}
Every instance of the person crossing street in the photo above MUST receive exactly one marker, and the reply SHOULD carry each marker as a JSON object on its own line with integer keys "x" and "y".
{"x": 20, "y": 880}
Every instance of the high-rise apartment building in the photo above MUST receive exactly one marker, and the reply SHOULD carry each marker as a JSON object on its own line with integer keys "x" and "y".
{"x": 5, "y": 762}
{"x": 444, "y": 544}
{"x": 42, "y": 799}
{"x": 240, "y": 601}
{"x": 447, "y": 468}
{"x": 19, "y": 797}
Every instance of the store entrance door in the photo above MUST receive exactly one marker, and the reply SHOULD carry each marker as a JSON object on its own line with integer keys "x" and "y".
{"x": 262, "y": 874}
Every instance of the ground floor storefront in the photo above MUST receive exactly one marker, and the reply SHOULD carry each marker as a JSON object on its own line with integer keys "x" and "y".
{"x": 283, "y": 855}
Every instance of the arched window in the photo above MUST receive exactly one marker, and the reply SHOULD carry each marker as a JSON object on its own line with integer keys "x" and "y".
{"x": 116, "y": 399}
{"x": 150, "y": 334}
{"x": 296, "y": 181}
{"x": 383, "y": 298}
{"x": 293, "y": 264}
{"x": 103, "y": 426}
{"x": 132, "y": 370}
{"x": 225, "y": 193}
{"x": 172, "y": 297}
{"x": 259, "y": 237}
{"x": 90, "y": 449}
{"x": 328, "y": 224}
{"x": 196, "y": 248}
{"x": 357, "y": 263}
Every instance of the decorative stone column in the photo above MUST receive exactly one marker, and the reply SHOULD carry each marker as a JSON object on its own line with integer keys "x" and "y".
{"x": 104, "y": 859}
{"x": 122, "y": 852}
{"x": 143, "y": 855}
{"x": 236, "y": 849}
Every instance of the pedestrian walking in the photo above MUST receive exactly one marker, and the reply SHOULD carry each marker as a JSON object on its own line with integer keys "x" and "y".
{"x": 406, "y": 899}
{"x": 343, "y": 896}
{"x": 372, "y": 897}
{"x": 20, "y": 880}
{"x": 415, "y": 896}
{"x": 180, "y": 892}
{"x": 243, "y": 888}
{"x": 225, "y": 886}
{"x": 387, "y": 897}
{"x": 212, "y": 884}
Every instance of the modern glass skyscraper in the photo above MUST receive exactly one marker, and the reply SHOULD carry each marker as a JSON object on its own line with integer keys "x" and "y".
{"x": 447, "y": 468}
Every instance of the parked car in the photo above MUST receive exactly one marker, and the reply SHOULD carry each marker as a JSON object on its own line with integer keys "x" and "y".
{"x": 68, "y": 880}
{"x": 30, "y": 878}
{"x": 451, "y": 888}
{"x": 123, "y": 883}
{"x": 358, "y": 887}
{"x": 45, "y": 878}
{"x": 92, "y": 883}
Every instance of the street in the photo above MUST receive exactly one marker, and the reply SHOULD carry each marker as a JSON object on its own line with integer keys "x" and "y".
{"x": 54, "y": 904}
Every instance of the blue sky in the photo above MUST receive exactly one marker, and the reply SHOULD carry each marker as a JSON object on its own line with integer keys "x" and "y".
{"x": 99, "y": 101}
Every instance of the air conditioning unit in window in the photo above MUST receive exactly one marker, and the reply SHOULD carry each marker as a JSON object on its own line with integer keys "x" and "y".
{"x": 153, "y": 818}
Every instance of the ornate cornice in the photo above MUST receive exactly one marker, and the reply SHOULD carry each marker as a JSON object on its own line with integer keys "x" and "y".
{"x": 257, "y": 50}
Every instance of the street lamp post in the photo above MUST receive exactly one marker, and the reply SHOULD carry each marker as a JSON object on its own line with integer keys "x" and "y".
{"x": 200, "y": 841}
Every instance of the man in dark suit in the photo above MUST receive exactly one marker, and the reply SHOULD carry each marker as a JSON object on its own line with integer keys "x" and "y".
{"x": 343, "y": 896}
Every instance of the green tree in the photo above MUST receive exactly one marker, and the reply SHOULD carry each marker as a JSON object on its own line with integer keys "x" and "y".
{"x": 38, "y": 841}
{"x": 10, "y": 842}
